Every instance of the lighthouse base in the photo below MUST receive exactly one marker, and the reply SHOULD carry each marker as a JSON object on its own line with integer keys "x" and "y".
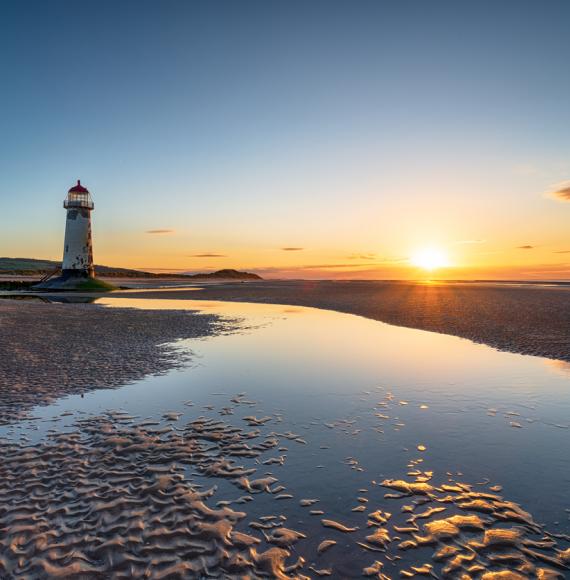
{"x": 75, "y": 280}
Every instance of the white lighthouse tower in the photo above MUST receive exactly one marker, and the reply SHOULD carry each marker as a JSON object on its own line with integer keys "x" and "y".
{"x": 78, "y": 245}
{"x": 77, "y": 271}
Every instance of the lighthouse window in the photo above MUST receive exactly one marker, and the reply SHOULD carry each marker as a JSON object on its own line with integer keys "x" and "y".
{"x": 80, "y": 197}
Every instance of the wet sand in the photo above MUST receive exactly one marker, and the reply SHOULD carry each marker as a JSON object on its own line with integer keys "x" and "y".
{"x": 529, "y": 319}
{"x": 208, "y": 494}
{"x": 118, "y": 497}
{"x": 51, "y": 350}
{"x": 113, "y": 499}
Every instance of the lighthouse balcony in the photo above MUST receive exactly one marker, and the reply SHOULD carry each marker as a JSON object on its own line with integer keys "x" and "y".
{"x": 78, "y": 201}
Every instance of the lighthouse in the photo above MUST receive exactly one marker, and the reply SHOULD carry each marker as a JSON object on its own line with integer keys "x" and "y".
{"x": 78, "y": 245}
{"x": 77, "y": 271}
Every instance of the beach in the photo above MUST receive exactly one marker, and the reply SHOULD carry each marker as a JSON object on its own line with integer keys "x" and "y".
{"x": 152, "y": 435}
{"x": 50, "y": 350}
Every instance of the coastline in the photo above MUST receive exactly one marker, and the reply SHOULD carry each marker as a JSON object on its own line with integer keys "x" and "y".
{"x": 530, "y": 319}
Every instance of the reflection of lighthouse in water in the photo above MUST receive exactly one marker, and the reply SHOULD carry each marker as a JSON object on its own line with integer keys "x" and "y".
{"x": 78, "y": 246}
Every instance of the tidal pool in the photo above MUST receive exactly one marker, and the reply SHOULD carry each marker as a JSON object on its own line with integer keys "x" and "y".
{"x": 361, "y": 410}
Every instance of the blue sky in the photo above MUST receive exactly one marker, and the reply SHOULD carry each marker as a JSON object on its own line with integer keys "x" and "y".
{"x": 244, "y": 127}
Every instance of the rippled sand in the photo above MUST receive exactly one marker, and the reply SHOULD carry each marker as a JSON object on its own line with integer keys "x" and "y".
{"x": 113, "y": 499}
{"x": 117, "y": 497}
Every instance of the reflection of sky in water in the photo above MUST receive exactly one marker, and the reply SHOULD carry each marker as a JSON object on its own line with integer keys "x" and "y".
{"x": 317, "y": 367}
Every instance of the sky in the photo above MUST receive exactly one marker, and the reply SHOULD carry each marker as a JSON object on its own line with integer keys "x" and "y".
{"x": 303, "y": 139}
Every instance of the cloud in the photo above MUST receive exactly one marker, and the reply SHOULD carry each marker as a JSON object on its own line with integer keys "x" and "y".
{"x": 561, "y": 192}
{"x": 369, "y": 256}
{"x": 562, "y": 252}
{"x": 207, "y": 255}
{"x": 335, "y": 271}
{"x": 292, "y": 249}
{"x": 527, "y": 247}
{"x": 554, "y": 270}
{"x": 159, "y": 232}
{"x": 317, "y": 267}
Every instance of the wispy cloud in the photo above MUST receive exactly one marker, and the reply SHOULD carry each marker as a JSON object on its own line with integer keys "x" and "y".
{"x": 338, "y": 266}
{"x": 549, "y": 271}
{"x": 292, "y": 249}
{"x": 337, "y": 271}
{"x": 561, "y": 192}
{"x": 208, "y": 255}
{"x": 354, "y": 267}
{"x": 526, "y": 247}
{"x": 369, "y": 256}
{"x": 159, "y": 232}
{"x": 562, "y": 252}
{"x": 375, "y": 260}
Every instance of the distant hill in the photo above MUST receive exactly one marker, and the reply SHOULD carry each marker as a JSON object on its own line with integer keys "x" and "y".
{"x": 226, "y": 274}
{"x": 25, "y": 266}
{"x": 31, "y": 267}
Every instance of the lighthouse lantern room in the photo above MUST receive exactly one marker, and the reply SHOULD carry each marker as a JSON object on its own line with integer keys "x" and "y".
{"x": 78, "y": 245}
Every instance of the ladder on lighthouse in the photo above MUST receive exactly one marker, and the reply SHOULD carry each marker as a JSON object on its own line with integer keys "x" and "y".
{"x": 50, "y": 275}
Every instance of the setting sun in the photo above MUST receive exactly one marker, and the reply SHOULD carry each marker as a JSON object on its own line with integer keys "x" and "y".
{"x": 430, "y": 259}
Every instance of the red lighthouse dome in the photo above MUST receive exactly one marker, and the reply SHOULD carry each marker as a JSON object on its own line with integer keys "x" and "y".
{"x": 78, "y": 197}
{"x": 78, "y": 188}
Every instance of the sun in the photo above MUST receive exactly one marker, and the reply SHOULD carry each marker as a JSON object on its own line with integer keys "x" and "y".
{"x": 430, "y": 259}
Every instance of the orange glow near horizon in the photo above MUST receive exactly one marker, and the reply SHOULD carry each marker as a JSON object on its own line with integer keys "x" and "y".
{"x": 391, "y": 255}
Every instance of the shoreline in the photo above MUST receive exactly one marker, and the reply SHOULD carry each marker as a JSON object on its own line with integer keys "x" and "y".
{"x": 122, "y": 345}
{"x": 49, "y": 351}
{"x": 530, "y": 320}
